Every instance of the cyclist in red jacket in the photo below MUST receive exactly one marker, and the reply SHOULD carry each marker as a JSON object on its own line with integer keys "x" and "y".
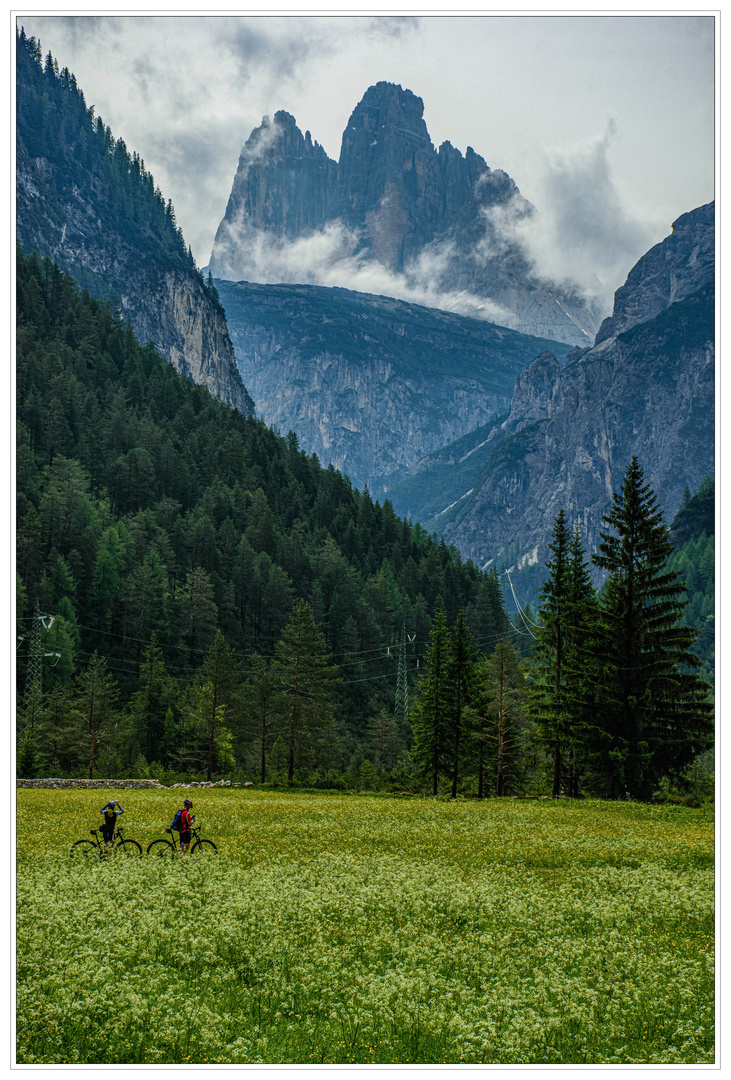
{"x": 185, "y": 825}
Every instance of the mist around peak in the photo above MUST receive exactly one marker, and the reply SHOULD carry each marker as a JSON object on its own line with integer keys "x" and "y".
{"x": 478, "y": 247}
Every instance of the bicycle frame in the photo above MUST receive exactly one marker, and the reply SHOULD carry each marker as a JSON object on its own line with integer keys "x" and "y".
{"x": 101, "y": 843}
{"x": 175, "y": 835}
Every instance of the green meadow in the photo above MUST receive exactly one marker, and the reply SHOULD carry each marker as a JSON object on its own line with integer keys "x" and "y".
{"x": 367, "y": 929}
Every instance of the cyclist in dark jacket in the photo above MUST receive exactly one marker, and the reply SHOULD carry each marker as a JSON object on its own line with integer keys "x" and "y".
{"x": 109, "y": 813}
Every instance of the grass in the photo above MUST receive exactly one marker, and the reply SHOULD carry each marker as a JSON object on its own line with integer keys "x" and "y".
{"x": 344, "y": 929}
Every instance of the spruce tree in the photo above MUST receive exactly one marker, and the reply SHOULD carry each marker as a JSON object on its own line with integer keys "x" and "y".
{"x": 461, "y": 661}
{"x": 549, "y": 695}
{"x": 306, "y": 678}
{"x": 432, "y": 750}
{"x": 497, "y": 718}
{"x": 95, "y": 706}
{"x": 213, "y": 705}
{"x": 579, "y": 662}
{"x": 264, "y": 708}
{"x": 149, "y": 704}
{"x": 654, "y": 714}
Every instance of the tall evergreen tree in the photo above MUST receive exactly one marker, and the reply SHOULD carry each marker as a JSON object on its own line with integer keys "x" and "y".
{"x": 264, "y": 707}
{"x": 432, "y": 750}
{"x": 461, "y": 664}
{"x": 149, "y": 704}
{"x": 580, "y": 663}
{"x": 549, "y": 698}
{"x": 214, "y": 705}
{"x": 95, "y": 705}
{"x": 498, "y": 714}
{"x": 307, "y": 678}
{"x": 654, "y": 709}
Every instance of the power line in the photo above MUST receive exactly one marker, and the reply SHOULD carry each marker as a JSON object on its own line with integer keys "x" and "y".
{"x": 520, "y": 610}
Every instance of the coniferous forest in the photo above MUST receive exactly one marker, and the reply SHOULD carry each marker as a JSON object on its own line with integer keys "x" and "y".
{"x": 58, "y": 127}
{"x": 198, "y": 598}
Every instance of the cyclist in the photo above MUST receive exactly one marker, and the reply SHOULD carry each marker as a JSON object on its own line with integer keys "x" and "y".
{"x": 109, "y": 813}
{"x": 185, "y": 825}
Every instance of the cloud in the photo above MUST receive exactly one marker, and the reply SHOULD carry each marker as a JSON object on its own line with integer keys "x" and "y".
{"x": 282, "y": 50}
{"x": 584, "y": 233}
{"x": 85, "y": 31}
{"x": 393, "y": 26}
{"x": 260, "y": 143}
{"x": 332, "y": 257}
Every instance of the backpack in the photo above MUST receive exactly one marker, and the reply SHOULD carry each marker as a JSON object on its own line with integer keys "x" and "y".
{"x": 175, "y": 823}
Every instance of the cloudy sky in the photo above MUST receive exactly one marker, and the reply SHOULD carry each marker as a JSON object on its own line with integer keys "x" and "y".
{"x": 605, "y": 123}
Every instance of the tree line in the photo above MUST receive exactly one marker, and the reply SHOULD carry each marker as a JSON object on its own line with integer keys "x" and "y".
{"x": 223, "y": 605}
{"x": 612, "y": 696}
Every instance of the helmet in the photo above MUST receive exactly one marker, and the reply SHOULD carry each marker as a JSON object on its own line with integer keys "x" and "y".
{"x": 187, "y": 802}
{"x": 111, "y": 804}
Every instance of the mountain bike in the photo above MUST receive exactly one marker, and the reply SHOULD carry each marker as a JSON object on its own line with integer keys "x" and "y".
{"x": 166, "y": 848}
{"x": 98, "y": 846}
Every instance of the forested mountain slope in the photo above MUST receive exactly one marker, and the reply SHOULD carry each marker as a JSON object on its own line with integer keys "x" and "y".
{"x": 90, "y": 204}
{"x": 147, "y": 507}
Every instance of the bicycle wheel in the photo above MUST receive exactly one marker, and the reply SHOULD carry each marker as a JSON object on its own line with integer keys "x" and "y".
{"x": 162, "y": 849}
{"x": 204, "y": 849}
{"x": 85, "y": 848}
{"x": 128, "y": 849}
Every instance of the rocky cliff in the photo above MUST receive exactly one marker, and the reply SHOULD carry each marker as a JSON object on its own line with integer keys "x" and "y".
{"x": 646, "y": 389}
{"x": 437, "y": 222}
{"x": 89, "y": 205}
{"x": 370, "y": 383}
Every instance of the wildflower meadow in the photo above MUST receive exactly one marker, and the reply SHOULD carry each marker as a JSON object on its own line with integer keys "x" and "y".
{"x": 367, "y": 929}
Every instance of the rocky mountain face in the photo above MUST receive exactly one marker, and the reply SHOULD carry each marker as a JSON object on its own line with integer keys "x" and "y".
{"x": 368, "y": 383}
{"x": 435, "y": 221}
{"x": 646, "y": 388}
{"x": 89, "y": 205}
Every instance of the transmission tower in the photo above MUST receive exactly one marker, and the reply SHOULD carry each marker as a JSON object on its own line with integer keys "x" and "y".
{"x": 401, "y": 707}
{"x": 33, "y": 700}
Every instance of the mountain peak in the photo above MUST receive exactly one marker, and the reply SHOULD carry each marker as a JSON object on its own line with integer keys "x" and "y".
{"x": 432, "y": 220}
{"x": 676, "y": 267}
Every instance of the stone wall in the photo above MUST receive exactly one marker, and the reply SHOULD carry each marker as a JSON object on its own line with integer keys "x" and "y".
{"x": 56, "y": 783}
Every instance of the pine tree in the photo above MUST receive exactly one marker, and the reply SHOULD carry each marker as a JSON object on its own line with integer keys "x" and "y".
{"x": 580, "y": 663}
{"x": 264, "y": 707}
{"x": 460, "y": 665}
{"x": 149, "y": 704}
{"x": 654, "y": 710}
{"x": 497, "y": 717}
{"x": 306, "y": 678}
{"x": 213, "y": 705}
{"x": 432, "y": 750}
{"x": 27, "y": 760}
{"x": 95, "y": 706}
{"x": 383, "y": 740}
{"x": 549, "y": 698}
